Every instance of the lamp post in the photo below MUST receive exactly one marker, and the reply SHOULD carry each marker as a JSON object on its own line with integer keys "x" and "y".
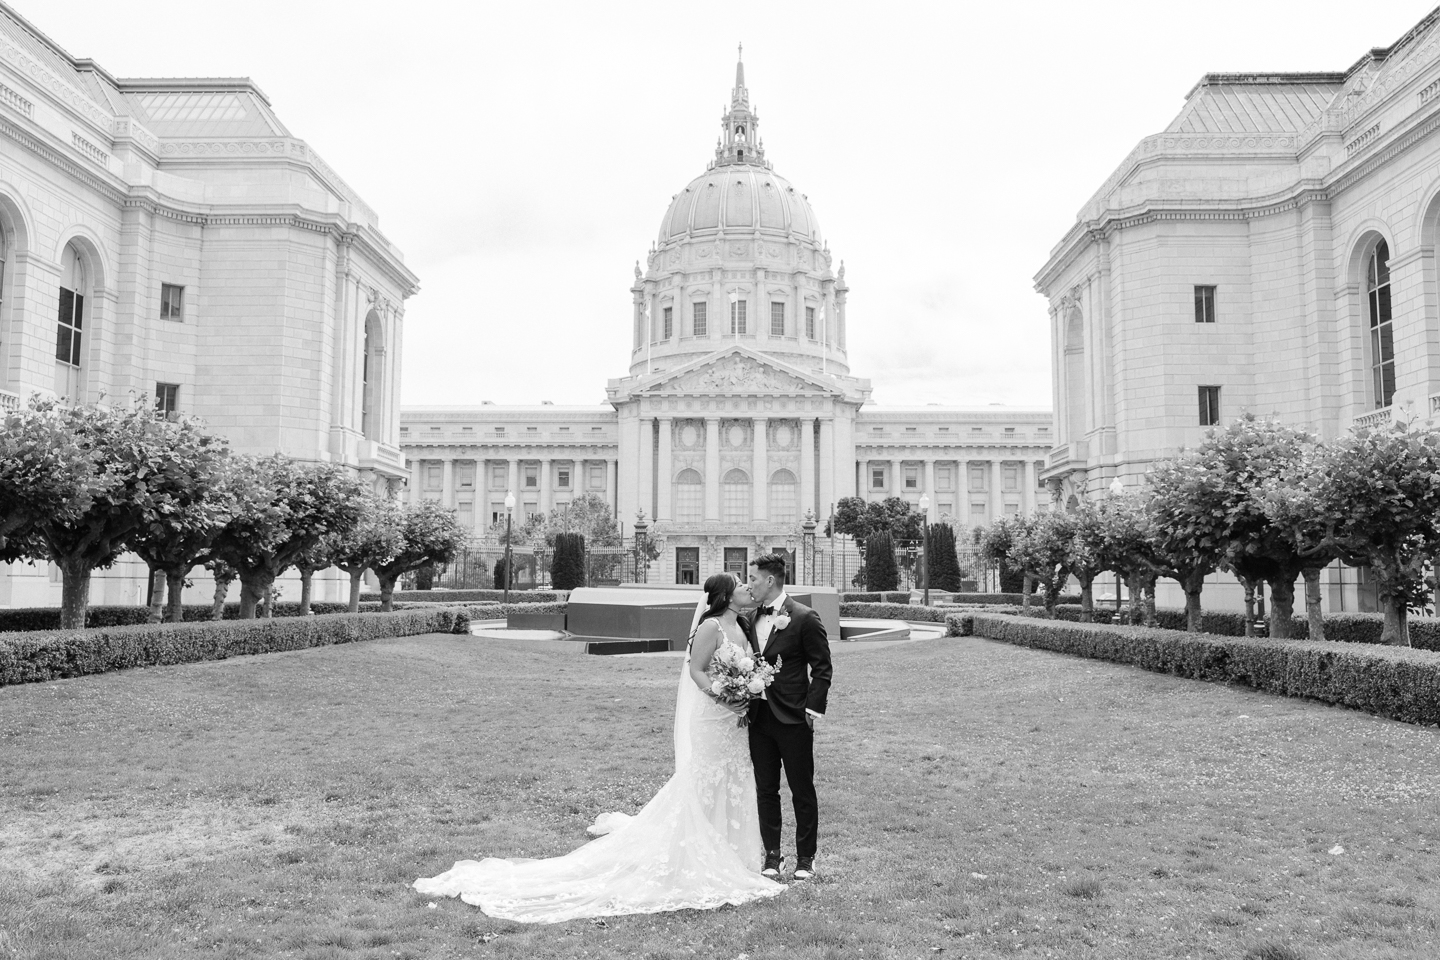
{"x": 790, "y": 555}
{"x": 1117, "y": 489}
{"x": 642, "y": 560}
{"x": 807, "y": 546}
{"x": 509, "y": 515}
{"x": 925, "y": 546}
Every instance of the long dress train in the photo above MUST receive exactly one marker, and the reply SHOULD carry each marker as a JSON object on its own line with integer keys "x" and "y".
{"x": 695, "y": 845}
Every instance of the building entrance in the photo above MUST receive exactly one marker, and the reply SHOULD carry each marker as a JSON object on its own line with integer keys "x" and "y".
{"x": 735, "y": 560}
{"x": 687, "y": 564}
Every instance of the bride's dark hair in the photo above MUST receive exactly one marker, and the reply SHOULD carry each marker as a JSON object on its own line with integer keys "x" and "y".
{"x": 718, "y": 591}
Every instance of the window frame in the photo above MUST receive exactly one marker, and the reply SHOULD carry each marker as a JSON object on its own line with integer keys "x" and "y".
{"x": 167, "y": 397}
{"x": 69, "y": 330}
{"x": 668, "y": 323}
{"x": 738, "y": 318}
{"x": 699, "y": 319}
{"x": 810, "y": 323}
{"x": 176, "y": 312}
{"x": 1209, "y": 404}
{"x": 1205, "y": 302}
{"x": 777, "y": 312}
{"x": 1380, "y": 332}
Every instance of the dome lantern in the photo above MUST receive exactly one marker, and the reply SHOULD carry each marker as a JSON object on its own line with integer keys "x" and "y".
{"x": 739, "y": 141}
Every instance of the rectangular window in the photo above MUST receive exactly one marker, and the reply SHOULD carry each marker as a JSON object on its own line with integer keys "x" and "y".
{"x": 597, "y": 476}
{"x": 500, "y": 430}
{"x": 1010, "y": 509}
{"x": 777, "y": 319}
{"x": 167, "y": 397}
{"x": 977, "y": 476}
{"x": 532, "y": 476}
{"x": 1209, "y": 406}
{"x": 465, "y": 475}
{"x": 563, "y": 478}
{"x": 466, "y": 511}
{"x": 687, "y": 564}
{"x": 810, "y": 322}
{"x": 977, "y": 514}
{"x": 736, "y": 560}
{"x": 497, "y": 476}
{"x": 172, "y": 302}
{"x": 1204, "y": 304}
{"x": 912, "y": 478}
{"x": 944, "y": 480}
{"x": 669, "y": 322}
{"x": 737, "y": 318}
{"x": 697, "y": 320}
{"x": 1010, "y": 476}
{"x": 877, "y": 478}
{"x": 67, "y": 334}
{"x": 432, "y": 476}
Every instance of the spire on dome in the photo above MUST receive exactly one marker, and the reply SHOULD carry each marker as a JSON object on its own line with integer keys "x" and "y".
{"x": 739, "y": 142}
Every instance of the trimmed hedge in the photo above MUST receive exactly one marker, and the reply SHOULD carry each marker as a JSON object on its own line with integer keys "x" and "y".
{"x": 1395, "y": 682}
{"x": 1007, "y": 599}
{"x": 894, "y": 611}
{"x": 48, "y": 618}
{"x": 888, "y": 596}
{"x": 39, "y": 656}
{"x": 959, "y": 624}
{"x": 474, "y": 596}
{"x": 1339, "y": 627}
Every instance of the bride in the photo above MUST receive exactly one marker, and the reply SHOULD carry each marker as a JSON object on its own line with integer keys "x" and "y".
{"x": 695, "y": 845}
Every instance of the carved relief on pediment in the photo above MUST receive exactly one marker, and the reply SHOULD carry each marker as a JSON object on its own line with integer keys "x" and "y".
{"x": 736, "y": 374}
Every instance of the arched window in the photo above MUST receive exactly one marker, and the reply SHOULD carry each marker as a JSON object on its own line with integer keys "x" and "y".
{"x": 1075, "y": 392}
{"x": 689, "y": 496}
{"x": 1382, "y": 338}
{"x": 372, "y": 377}
{"x": 70, "y": 324}
{"x": 784, "y": 497}
{"x": 735, "y": 497}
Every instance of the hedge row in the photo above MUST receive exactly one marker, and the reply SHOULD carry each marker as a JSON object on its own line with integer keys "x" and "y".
{"x": 1395, "y": 682}
{"x": 48, "y": 618}
{"x": 1004, "y": 599}
{"x": 1339, "y": 627}
{"x": 894, "y": 611}
{"x": 38, "y": 656}
{"x": 888, "y": 596}
{"x": 474, "y": 596}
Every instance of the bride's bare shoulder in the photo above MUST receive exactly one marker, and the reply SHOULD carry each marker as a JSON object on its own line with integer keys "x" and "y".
{"x": 707, "y": 628}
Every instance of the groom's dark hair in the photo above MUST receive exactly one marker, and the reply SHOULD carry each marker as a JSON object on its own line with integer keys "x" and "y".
{"x": 771, "y": 563}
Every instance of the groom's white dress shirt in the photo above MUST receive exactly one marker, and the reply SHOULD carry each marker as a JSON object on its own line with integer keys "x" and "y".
{"x": 765, "y": 625}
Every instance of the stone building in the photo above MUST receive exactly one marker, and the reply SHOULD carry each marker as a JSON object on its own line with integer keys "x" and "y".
{"x": 1272, "y": 250}
{"x": 171, "y": 238}
{"x": 739, "y": 414}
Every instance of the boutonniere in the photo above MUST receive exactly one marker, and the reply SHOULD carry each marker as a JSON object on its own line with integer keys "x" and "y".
{"x": 781, "y": 621}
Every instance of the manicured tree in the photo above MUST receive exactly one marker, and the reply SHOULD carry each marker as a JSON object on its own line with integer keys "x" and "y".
{"x": 1041, "y": 548}
{"x": 1373, "y": 498}
{"x": 995, "y": 546}
{"x": 567, "y": 569}
{"x": 128, "y": 449}
{"x": 425, "y": 577}
{"x": 1186, "y": 542}
{"x": 224, "y": 575}
{"x": 430, "y": 534}
{"x": 319, "y": 557}
{"x": 284, "y": 508}
{"x": 45, "y": 471}
{"x": 1086, "y": 556}
{"x": 193, "y": 501}
{"x": 944, "y": 559}
{"x": 1130, "y": 548}
{"x": 881, "y": 572}
{"x": 588, "y": 515}
{"x": 500, "y": 574}
{"x": 374, "y": 540}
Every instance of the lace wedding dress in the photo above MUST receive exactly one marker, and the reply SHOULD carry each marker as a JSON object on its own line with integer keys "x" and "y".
{"x": 695, "y": 845}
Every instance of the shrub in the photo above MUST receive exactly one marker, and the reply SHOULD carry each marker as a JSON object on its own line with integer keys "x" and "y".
{"x": 944, "y": 561}
{"x": 55, "y": 654}
{"x": 881, "y": 572}
{"x": 959, "y": 624}
{"x": 1395, "y": 682}
{"x": 888, "y": 596}
{"x": 567, "y": 569}
{"x": 894, "y": 611}
{"x": 48, "y": 618}
{"x": 1004, "y": 599}
{"x": 477, "y": 596}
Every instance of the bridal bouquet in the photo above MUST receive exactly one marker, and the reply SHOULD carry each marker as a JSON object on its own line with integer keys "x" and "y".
{"x": 737, "y": 677}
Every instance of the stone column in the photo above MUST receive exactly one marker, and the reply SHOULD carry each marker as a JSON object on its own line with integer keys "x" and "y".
{"x": 760, "y": 471}
{"x": 417, "y": 474}
{"x": 666, "y": 472}
{"x": 807, "y": 467}
{"x": 447, "y": 483}
{"x": 929, "y": 482}
{"x": 997, "y": 495}
{"x": 646, "y": 460}
{"x": 897, "y": 478}
{"x": 712, "y": 468}
{"x": 513, "y": 486}
{"x": 827, "y": 467}
{"x": 611, "y": 469}
{"x": 1028, "y": 478}
{"x": 546, "y": 468}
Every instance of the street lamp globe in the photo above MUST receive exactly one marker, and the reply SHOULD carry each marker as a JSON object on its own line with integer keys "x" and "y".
{"x": 1117, "y": 487}
{"x": 925, "y": 503}
{"x": 510, "y": 501}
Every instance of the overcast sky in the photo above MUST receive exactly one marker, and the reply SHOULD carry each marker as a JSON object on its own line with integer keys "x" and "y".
{"x": 523, "y": 154}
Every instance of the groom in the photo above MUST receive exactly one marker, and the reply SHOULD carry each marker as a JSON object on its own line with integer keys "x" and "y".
{"x": 782, "y": 724}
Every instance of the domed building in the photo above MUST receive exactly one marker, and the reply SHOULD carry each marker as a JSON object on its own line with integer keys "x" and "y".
{"x": 739, "y": 416}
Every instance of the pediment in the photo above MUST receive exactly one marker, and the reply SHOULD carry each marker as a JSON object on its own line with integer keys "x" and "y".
{"x": 737, "y": 372}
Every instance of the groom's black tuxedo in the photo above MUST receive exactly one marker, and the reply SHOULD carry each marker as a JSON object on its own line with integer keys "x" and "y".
{"x": 779, "y": 734}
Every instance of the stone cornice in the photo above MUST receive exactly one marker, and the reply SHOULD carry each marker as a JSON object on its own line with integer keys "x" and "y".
{"x": 508, "y": 451}
{"x": 951, "y": 451}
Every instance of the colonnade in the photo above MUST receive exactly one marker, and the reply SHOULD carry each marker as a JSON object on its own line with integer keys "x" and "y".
{"x": 541, "y": 496}
{"x": 993, "y": 491}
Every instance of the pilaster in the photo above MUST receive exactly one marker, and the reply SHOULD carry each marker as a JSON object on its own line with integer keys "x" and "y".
{"x": 760, "y": 471}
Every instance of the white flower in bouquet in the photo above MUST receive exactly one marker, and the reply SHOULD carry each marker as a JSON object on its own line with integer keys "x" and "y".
{"x": 717, "y": 688}
{"x": 756, "y": 685}
{"x": 746, "y": 664}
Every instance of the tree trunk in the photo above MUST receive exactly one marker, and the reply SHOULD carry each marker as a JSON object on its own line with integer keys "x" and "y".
{"x": 1397, "y": 626}
{"x": 268, "y": 611}
{"x": 157, "y": 595}
{"x": 1249, "y": 606}
{"x": 252, "y": 591}
{"x": 1312, "y": 602}
{"x": 74, "y": 594}
{"x": 305, "y": 577}
{"x": 1052, "y": 597}
{"x": 1435, "y": 572}
{"x": 217, "y": 607}
{"x": 1193, "y": 618}
{"x": 1150, "y": 620}
{"x": 1087, "y": 600}
{"x": 175, "y": 584}
{"x": 355, "y": 577}
{"x": 1137, "y": 598}
{"x": 1282, "y": 607}
{"x": 387, "y": 594}
{"x": 1026, "y": 586}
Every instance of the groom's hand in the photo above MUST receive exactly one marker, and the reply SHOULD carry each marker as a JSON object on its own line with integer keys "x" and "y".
{"x": 811, "y": 721}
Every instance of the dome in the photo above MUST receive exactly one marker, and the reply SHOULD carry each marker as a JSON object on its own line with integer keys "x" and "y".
{"x": 739, "y": 196}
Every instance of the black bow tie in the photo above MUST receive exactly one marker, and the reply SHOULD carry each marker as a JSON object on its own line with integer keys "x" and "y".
{"x": 765, "y": 612}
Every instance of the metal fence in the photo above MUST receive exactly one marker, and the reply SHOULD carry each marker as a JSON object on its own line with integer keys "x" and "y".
{"x": 474, "y": 567}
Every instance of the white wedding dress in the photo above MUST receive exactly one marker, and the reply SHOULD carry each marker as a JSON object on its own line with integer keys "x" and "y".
{"x": 695, "y": 845}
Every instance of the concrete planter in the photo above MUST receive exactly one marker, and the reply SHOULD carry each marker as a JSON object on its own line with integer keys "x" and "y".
{"x": 535, "y": 621}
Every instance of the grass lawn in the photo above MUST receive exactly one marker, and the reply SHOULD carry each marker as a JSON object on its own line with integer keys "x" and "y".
{"x": 977, "y": 800}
